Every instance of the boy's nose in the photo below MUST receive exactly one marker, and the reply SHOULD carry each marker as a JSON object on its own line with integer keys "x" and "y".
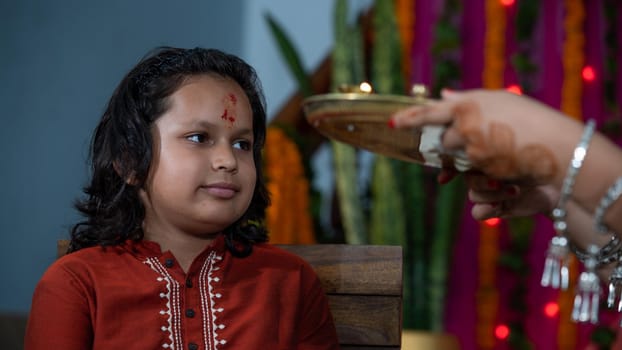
{"x": 224, "y": 159}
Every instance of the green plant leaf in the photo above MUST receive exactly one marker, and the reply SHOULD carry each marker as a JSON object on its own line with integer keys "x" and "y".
{"x": 290, "y": 55}
{"x": 344, "y": 58}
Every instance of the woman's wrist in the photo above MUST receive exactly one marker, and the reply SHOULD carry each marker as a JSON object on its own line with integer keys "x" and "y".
{"x": 601, "y": 169}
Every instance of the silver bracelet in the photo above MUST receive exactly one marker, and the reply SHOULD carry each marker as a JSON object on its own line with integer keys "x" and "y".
{"x": 556, "y": 272}
{"x": 612, "y": 195}
{"x": 559, "y": 213}
{"x": 609, "y": 253}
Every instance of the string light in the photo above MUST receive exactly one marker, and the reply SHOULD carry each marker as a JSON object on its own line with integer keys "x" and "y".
{"x": 588, "y": 73}
{"x": 492, "y": 222}
{"x": 507, "y": 2}
{"x": 502, "y": 332}
{"x": 515, "y": 89}
{"x": 551, "y": 309}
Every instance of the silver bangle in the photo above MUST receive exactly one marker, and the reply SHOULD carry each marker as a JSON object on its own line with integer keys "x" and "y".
{"x": 610, "y": 252}
{"x": 612, "y": 195}
{"x": 559, "y": 213}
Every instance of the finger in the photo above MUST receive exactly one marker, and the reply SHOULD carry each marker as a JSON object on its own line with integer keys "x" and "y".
{"x": 481, "y": 197}
{"x": 480, "y": 182}
{"x": 453, "y": 95}
{"x": 452, "y": 139}
{"x": 506, "y": 193}
{"x": 448, "y": 94}
{"x": 432, "y": 113}
{"x": 485, "y": 211}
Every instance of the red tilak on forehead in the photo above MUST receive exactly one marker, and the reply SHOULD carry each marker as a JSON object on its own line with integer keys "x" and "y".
{"x": 233, "y": 99}
{"x": 229, "y": 103}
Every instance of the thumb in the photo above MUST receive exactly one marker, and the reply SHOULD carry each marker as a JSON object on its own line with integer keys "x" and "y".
{"x": 448, "y": 94}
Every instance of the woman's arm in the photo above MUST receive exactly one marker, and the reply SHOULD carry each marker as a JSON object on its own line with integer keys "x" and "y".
{"x": 494, "y": 198}
{"x": 507, "y": 136}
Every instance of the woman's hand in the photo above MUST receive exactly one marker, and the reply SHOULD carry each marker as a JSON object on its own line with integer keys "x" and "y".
{"x": 504, "y": 135}
{"x": 495, "y": 198}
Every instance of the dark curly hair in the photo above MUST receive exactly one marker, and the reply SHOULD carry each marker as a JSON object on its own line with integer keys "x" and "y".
{"x": 121, "y": 148}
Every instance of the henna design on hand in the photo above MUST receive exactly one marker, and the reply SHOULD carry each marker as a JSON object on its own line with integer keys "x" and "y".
{"x": 495, "y": 152}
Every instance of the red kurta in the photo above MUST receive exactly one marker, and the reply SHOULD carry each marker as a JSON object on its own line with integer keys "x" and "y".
{"x": 136, "y": 297}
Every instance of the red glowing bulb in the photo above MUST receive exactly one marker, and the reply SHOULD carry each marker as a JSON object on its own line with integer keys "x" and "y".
{"x": 507, "y": 2}
{"x": 502, "y": 332}
{"x": 551, "y": 309}
{"x": 492, "y": 222}
{"x": 515, "y": 89}
{"x": 588, "y": 73}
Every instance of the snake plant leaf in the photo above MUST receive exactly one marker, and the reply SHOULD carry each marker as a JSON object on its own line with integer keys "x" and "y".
{"x": 290, "y": 55}
{"x": 347, "y": 56}
{"x": 386, "y": 52}
{"x": 350, "y": 206}
{"x": 387, "y": 224}
{"x": 394, "y": 188}
{"x": 416, "y": 308}
{"x": 449, "y": 206}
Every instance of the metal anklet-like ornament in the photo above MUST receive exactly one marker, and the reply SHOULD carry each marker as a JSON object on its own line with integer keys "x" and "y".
{"x": 556, "y": 272}
{"x": 614, "y": 287}
{"x": 587, "y": 299}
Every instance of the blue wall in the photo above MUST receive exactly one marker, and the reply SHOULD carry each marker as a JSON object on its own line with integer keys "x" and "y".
{"x": 59, "y": 62}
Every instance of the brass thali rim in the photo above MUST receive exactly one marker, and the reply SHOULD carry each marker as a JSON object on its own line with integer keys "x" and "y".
{"x": 381, "y": 98}
{"x": 338, "y": 117}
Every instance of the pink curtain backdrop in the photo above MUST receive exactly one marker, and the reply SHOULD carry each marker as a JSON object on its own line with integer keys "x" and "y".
{"x": 546, "y": 52}
{"x": 461, "y": 312}
{"x": 618, "y": 25}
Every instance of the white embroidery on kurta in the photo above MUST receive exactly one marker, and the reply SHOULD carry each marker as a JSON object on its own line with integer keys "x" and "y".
{"x": 173, "y": 304}
{"x": 209, "y": 302}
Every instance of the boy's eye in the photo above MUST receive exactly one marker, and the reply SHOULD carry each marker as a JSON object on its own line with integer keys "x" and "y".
{"x": 242, "y": 144}
{"x": 198, "y": 138}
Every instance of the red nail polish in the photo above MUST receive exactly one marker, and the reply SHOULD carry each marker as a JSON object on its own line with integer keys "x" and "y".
{"x": 493, "y": 184}
{"x": 443, "y": 178}
{"x": 512, "y": 190}
{"x": 391, "y": 124}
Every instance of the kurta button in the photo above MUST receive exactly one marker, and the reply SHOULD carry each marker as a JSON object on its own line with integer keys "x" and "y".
{"x": 192, "y": 346}
{"x": 189, "y": 283}
{"x": 168, "y": 263}
{"x": 189, "y": 313}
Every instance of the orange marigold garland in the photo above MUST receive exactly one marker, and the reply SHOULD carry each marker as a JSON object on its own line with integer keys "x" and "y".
{"x": 487, "y": 297}
{"x": 573, "y": 58}
{"x": 572, "y": 90}
{"x": 492, "y": 78}
{"x": 288, "y": 218}
{"x": 494, "y": 45}
{"x": 405, "y": 13}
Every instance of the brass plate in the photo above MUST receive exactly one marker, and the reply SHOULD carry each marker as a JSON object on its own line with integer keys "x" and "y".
{"x": 361, "y": 120}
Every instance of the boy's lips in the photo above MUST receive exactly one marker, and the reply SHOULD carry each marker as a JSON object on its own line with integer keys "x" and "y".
{"x": 223, "y": 190}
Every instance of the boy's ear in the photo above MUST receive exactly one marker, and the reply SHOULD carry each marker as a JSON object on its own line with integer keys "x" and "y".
{"x": 129, "y": 179}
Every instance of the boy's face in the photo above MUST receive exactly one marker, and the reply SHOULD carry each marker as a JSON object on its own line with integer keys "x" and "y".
{"x": 202, "y": 175}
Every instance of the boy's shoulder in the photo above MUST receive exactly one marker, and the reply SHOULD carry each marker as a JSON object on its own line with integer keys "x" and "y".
{"x": 80, "y": 267}
{"x": 87, "y": 258}
{"x": 90, "y": 253}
